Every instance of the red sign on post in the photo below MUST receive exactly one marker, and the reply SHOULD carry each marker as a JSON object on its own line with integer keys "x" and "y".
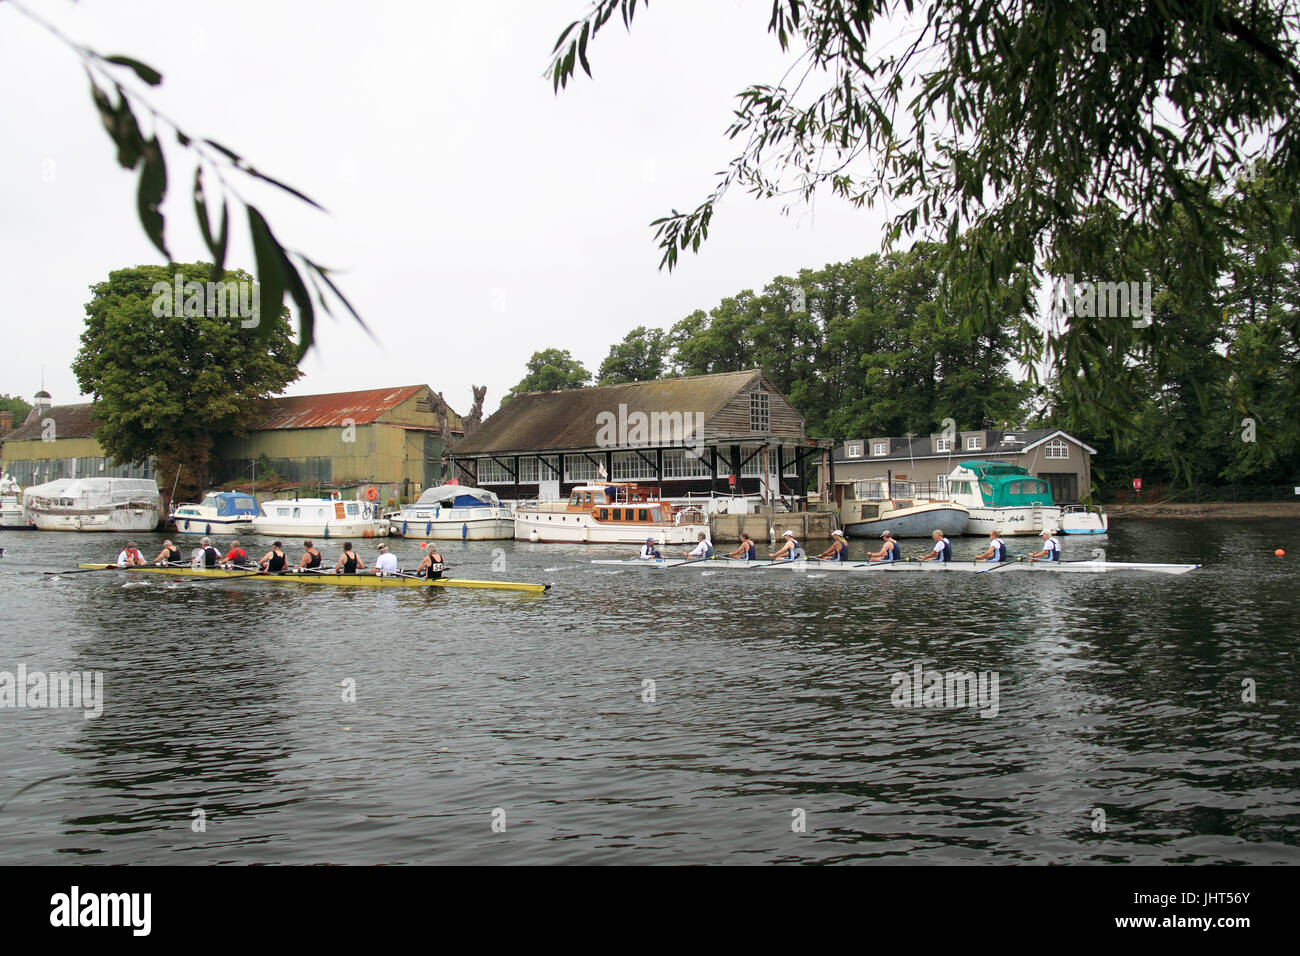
{"x": 1137, "y": 484}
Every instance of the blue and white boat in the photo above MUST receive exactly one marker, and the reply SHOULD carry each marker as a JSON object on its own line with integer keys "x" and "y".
{"x": 454, "y": 513}
{"x": 220, "y": 512}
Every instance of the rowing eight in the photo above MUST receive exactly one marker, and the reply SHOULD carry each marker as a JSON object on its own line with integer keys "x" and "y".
{"x": 329, "y": 579}
{"x": 1086, "y": 567}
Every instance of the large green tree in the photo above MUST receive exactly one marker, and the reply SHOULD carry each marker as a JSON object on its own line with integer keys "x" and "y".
{"x": 171, "y": 374}
{"x": 1005, "y": 122}
{"x": 642, "y": 356}
{"x": 551, "y": 370}
{"x": 15, "y": 406}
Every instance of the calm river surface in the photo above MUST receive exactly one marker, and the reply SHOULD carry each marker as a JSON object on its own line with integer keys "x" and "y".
{"x": 1121, "y": 734}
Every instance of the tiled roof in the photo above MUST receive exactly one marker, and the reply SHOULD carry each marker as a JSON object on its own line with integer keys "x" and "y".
{"x": 70, "y": 421}
{"x": 330, "y": 410}
{"x": 568, "y": 418}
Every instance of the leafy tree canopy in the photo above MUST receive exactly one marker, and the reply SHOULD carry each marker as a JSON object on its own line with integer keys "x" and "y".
{"x": 551, "y": 370}
{"x": 640, "y": 357}
{"x": 16, "y": 406}
{"x": 172, "y": 373}
{"x": 1002, "y": 125}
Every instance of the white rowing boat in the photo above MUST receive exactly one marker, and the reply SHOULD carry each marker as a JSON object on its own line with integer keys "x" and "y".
{"x": 891, "y": 567}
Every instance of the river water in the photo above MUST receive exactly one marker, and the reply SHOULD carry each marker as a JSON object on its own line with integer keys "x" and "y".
{"x": 681, "y": 716}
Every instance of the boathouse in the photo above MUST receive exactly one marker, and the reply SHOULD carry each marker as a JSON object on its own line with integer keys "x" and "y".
{"x": 717, "y": 433}
{"x": 58, "y": 441}
{"x": 1060, "y": 459}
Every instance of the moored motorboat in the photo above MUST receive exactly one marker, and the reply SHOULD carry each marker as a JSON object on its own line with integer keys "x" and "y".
{"x": 94, "y": 504}
{"x": 1002, "y": 497}
{"x": 220, "y": 512}
{"x": 324, "y": 518}
{"x": 608, "y": 513}
{"x": 869, "y": 507}
{"x": 454, "y": 513}
{"x": 11, "y": 506}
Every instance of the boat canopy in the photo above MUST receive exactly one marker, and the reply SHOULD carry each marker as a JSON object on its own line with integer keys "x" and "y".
{"x": 230, "y": 503}
{"x": 94, "y": 492}
{"x": 457, "y": 496}
{"x": 1005, "y": 485}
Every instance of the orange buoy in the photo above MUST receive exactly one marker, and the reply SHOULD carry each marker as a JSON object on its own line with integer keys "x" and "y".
{"x": 372, "y": 493}
{"x": 424, "y": 544}
{"x": 1280, "y": 553}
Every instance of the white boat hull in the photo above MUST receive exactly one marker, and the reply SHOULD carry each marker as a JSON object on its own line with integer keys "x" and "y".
{"x": 578, "y": 528}
{"x": 453, "y": 524}
{"x": 1011, "y": 521}
{"x": 110, "y": 519}
{"x": 1085, "y": 522}
{"x": 333, "y": 528}
{"x": 892, "y": 567}
{"x": 917, "y": 521}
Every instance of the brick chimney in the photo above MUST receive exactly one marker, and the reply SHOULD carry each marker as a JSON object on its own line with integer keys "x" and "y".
{"x": 6, "y": 422}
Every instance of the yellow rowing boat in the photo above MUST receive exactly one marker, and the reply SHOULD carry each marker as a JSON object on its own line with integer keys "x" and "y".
{"x": 330, "y": 579}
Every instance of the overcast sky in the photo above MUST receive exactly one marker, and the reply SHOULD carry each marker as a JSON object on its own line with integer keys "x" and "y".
{"x": 475, "y": 217}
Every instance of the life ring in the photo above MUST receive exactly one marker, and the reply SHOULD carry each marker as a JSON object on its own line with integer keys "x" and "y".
{"x": 372, "y": 494}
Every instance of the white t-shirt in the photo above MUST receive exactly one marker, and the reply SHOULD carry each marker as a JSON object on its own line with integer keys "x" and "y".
{"x": 940, "y": 547}
{"x": 701, "y": 550}
{"x": 1052, "y": 545}
{"x": 386, "y": 563}
{"x": 648, "y": 552}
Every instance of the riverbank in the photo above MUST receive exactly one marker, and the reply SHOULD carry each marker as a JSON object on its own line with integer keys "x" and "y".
{"x": 1208, "y": 509}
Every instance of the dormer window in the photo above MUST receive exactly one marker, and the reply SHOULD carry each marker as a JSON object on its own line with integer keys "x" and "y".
{"x": 973, "y": 442}
{"x": 853, "y": 451}
{"x": 880, "y": 448}
{"x": 943, "y": 444}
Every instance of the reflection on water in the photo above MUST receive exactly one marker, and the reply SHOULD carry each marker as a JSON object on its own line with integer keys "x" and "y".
{"x": 663, "y": 716}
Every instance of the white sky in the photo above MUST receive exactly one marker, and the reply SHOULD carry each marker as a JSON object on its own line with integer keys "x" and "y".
{"x": 474, "y": 216}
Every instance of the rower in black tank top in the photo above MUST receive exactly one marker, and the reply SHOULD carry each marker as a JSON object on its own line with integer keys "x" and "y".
{"x": 276, "y": 564}
{"x": 314, "y": 560}
{"x": 173, "y": 554}
{"x": 349, "y": 563}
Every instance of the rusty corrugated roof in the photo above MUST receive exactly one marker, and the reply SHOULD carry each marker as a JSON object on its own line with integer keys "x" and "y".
{"x": 567, "y": 418}
{"x": 70, "y": 421}
{"x": 330, "y": 410}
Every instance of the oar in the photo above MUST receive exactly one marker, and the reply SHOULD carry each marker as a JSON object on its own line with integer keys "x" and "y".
{"x": 679, "y": 564}
{"x": 1002, "y": 564}
{"x": 107, "y": 567}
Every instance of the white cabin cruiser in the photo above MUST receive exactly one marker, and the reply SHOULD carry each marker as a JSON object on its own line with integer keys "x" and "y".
{"x": 220, "y": 512}
{"x": 11, "y": 506}
{"x": 320, "y": 518}
{"x": 454, "y": 513}
{"x": 1007, "y": 499}
{"x": 94, "y": 504}
{"x": 869, "y": 507}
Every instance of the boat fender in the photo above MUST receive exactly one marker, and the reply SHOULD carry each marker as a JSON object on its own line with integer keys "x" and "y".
{"x": 533, "y": 536}
{"x": 464, "y": 531}
{"x": 327, "y": 531}
{"x": 207, "y": 529}
{"x": 428, "y": 528}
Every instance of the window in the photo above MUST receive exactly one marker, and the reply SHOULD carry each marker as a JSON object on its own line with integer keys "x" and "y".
{"x": 760, "y": 412}
{"x": 852, "y": 451}
{"x": 534, "y": 469}
{"x": 642, "y": 515}
{"x": 682, "y": 463}
{"x": 629, "y": 466}
{"x": 580, "y": 468}
{"x": 972, "y": 442}
{"x": 1057, "y": 449}
{"x": 604, "y": 514}
{"x": 492, "y": 472}
{"x": 880, "y": 448}
{"x": 943, "y": 444}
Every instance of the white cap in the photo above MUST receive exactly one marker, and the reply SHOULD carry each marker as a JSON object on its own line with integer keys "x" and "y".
{"x": 788, "y": 534}
{"x": 1047, "y": 533}
{"x": 837, "y": 531}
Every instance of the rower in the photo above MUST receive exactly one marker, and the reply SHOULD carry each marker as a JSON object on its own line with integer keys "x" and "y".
{"x": 790, "y": 551}
{"x": 386, "y": 563}
{"x": 649, "y": 552}
{"x": 273, "y": 561}
{"x": 747, "y": 550}
{"x": 942, "y": 550}
{"x": 235, "y": 556}
{"x": 703, "y": 547}
{"x": 310, "y": 557}
{"x": 839, "y": 549}
{"x": 170, "y": 554}
{"x": 430, "y": 565}
{"x": 890, "y": 551}
{"x": 1051, "y": 548}
{"x": 996, "y": 551}
{"x": 349, "y": 561}
{"x": 208, "y": 556}
{"x": 130, "y": 556}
